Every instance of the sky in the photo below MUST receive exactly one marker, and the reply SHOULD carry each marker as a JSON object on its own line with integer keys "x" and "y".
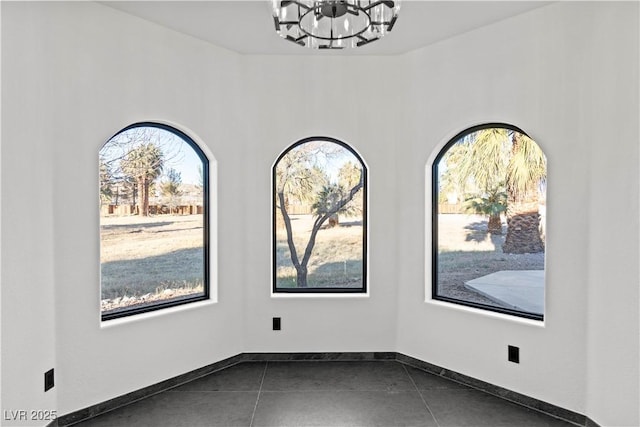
{"x": 178, "y": 153}
{"x": 332, "y": 164}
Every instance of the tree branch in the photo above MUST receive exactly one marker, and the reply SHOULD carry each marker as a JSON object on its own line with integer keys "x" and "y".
{"x": 322, "y": 218}
{"x": 287, "y": 224}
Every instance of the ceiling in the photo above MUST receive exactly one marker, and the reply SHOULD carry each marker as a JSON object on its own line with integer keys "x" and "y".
{"x": 246, "y": 27}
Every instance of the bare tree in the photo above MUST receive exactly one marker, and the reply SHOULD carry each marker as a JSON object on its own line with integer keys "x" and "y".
{"x": 299, "y": 176}
{"x": 106, "y": 181}
{"x": 170, "y": 187}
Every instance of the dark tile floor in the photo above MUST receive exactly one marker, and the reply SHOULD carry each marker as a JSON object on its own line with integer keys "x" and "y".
{"x": 364, "y": 393}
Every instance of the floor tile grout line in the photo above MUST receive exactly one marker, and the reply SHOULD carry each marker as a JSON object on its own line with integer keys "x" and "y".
{"x": 264, "y": 373}
{"x": 421, "y": 396}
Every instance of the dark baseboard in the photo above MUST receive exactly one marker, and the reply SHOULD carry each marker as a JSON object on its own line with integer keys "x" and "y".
{"x": 591, "y": 423}
{"x": 126, "y": 399}
{"x": 111, "y": 404}
{"x": 495, "y": 390}
{"x": 325, "y": 357}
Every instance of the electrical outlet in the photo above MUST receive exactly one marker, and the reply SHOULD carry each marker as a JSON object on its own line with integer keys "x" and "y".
{"x": 48, "y": 380}
{"x": 514, "y": 354}
{"x": 276, "y": 324}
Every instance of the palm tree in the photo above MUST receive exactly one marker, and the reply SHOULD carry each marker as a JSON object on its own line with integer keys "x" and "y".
{"x": 527, "y": 172}
{"x": 144, "y": 165}
{"x": 485, "y": 159}
{"x": 491, "y": 204}
{"x": 348, "y": 176}
{"x": 329, "y": 199}
{"x": 476, "y": 166}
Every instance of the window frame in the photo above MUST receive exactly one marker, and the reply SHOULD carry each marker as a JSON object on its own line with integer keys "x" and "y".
{"x": 434, "y": 229}
{"x": 206, "y": 294}
{"x": 365, "y": 231}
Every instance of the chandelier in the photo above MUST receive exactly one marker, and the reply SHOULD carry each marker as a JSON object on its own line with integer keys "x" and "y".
{"x": 334, "y": 24}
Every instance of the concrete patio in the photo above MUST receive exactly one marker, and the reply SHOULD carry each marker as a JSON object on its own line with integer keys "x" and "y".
{"x": 518, "y": 289}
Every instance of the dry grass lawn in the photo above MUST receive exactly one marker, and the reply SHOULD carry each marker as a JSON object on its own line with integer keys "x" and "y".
{"x": 336, "y": 260}
{"x": 161, "y": 255}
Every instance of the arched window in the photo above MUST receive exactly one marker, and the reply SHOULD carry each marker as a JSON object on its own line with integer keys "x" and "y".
{"x": 154, "y": 216}
{"x": 319, "y": 218}
{"x": 489, "y": 214}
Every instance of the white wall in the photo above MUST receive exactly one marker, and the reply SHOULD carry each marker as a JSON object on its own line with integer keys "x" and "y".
{"x": 28, "y": 294}
{"x": 612, "y": 345}
{"x": 517, "y": 72}
{"x": 288, "y": 99}
{"x": 123, "y": 70}
{"x": 565, "y": 75}
{"x": 75, "y": 73}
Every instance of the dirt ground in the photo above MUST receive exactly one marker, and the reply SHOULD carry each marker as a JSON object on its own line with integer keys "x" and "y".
{"x": 466, "y": 251}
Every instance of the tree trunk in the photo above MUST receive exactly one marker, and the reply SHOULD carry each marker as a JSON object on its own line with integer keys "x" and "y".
{"x": 495, "y": 224}
{"x": 145, "y": 198}
{"x": 523, "y": 229}
{"x": 301, "y": 276}
{"x": 523, "y": 219}
{"x": 301, "y": 269}
{"x": 134, "y": 195}
{"x": 140, "y": 204}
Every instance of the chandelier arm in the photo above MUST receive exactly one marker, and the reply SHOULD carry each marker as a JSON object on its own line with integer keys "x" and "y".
{"x": 366, "y": 41}
{"x": 392, "y": 23}
{"x": 286, "y": 3}
{"x": 389, "y": 3}
{"x": 296, "y": 41}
